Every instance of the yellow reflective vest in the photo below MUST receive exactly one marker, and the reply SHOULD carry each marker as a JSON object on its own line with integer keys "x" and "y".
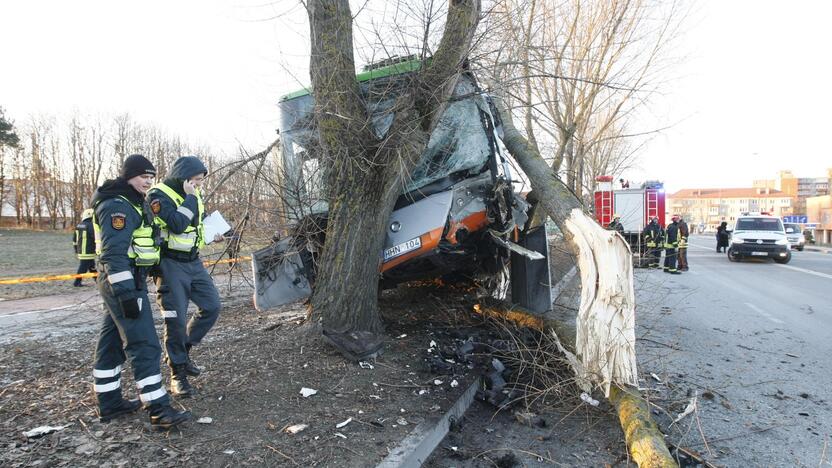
{"x": 143, "y": 249}
{"x": 192, "y": 236}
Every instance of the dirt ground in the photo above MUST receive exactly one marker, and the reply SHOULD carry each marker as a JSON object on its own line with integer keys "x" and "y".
{"x": 256, "y": 365}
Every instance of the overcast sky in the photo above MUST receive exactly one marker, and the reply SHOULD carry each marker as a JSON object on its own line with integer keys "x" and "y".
{"x": 752, "y": 97}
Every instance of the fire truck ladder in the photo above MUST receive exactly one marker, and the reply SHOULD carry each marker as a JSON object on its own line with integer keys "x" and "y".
{"x": 606, "y": 207}
{"x": 652, "y": 204}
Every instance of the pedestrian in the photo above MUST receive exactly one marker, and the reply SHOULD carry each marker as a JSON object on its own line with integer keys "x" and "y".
{"x": 682, "y": 254}
{"x": 177, "y": 204}
{"x": 653, "y": 239}
{"x": 671, "y": 243}
{"x": 126, "y": 248}
{"x": 83, "y": 239}
{"x": 615, "y": 224}
{"x": 722, "y": 237}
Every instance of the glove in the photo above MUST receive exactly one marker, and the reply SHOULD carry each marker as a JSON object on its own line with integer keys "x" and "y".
{"x": 131, "y": 307}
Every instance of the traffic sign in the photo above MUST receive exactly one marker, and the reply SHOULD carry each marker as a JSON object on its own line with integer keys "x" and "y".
{"x": 797, "y": 219}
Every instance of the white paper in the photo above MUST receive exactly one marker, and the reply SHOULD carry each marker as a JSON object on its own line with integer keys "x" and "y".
{"x": 214, "y": 224}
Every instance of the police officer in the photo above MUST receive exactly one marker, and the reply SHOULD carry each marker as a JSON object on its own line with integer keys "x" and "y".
{"x": 653, "y": 237}
{"x": 126, "y": 249}
{"x": 615, "y": 224}
{"x": 83, "y": 239}
{"x": 684, "y": 232}
{"x": 177, "y": 204}
{"x": 671, "y": 243}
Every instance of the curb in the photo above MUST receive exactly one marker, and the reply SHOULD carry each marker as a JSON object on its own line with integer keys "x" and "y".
{"x": 818, "y": 249}
{"x": 417, "y": 447}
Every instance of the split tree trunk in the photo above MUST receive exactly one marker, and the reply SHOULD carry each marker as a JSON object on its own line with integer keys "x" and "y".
{"x": 605, "y": 340}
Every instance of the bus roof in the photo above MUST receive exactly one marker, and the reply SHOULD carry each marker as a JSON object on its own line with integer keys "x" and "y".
{"x": 389, "y": 70}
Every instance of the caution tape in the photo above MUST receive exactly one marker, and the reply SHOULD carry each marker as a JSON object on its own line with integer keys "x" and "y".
{"x": 67, "y": 277}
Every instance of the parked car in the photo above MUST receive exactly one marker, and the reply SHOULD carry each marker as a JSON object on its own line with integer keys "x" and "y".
{"x": 759, "y": 236}
{"x": 796, "y": 238}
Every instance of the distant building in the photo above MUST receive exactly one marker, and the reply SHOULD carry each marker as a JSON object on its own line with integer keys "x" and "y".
{"x": 709, "y": 207}
{"x": 819, "y": 210}
{"x": 800, "y": 188}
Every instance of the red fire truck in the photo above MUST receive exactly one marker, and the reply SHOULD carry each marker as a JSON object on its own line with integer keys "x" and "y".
{"x": 635, "y": 207}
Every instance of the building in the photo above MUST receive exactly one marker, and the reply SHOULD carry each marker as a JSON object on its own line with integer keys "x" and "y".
{"x": 707, "y": 208}
{"x": 819, "y": 211}
{"x": 800, "y": 188}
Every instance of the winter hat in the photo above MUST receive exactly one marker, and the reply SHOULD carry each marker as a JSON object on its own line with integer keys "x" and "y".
{"x": 136, "y": 165}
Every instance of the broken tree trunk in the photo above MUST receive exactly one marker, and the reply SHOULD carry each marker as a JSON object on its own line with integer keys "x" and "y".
{"x": 605, "y": 339}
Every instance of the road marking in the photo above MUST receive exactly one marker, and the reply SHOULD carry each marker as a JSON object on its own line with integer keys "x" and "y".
{"x": 763, "y": 313}
{"x": 810, "y": 272}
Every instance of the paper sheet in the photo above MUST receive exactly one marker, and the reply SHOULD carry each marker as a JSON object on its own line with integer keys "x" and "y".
{"x": 214, "y": 224}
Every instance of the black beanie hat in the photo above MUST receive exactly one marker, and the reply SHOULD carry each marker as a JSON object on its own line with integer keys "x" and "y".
{"x": 136, "y": 165}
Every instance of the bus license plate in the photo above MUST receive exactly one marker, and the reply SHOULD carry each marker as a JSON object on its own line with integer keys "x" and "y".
{"x": 402, "y": 248}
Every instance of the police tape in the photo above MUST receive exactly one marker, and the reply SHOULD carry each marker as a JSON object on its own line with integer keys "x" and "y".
{"x": 67, "y": 277}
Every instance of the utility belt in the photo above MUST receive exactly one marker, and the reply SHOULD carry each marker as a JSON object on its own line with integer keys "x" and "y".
{"x": 140, "y": 273}
{"x": 179, "y": 255}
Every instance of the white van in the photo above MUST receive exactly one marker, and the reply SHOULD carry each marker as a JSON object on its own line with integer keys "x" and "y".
{"x": 759, "y": 235}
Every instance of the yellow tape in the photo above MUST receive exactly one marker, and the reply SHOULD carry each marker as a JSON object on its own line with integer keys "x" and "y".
{"x": 66, "y": 277}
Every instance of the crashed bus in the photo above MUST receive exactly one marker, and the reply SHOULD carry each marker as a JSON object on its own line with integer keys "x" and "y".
{"x": 458, "y": 214}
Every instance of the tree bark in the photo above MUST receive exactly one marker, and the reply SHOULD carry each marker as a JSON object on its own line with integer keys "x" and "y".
{"x": 605, "y": 338}
{"x": 363, "y": 172}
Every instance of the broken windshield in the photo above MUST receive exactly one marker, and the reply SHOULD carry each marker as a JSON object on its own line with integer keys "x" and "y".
{"x": 460, "y": 143}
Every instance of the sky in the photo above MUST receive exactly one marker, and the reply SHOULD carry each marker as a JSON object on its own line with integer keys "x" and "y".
{"x": 750, "y": 96}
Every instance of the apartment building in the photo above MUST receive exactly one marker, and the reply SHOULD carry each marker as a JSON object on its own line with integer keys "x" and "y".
{"x": 707, "y": 208}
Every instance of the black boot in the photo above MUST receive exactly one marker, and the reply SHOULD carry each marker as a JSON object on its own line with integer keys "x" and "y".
{"x": 164, "y": 417}
{"x": 191, "y": 368}
{"x": 124, "y": 407}
{"x": 179, "y": 385}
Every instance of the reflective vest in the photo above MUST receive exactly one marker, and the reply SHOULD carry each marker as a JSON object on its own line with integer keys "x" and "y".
{"x": 143, "y": 249}
{"x": 192, "y": 236}
{"x": 683, "y": 242}
{"x": 81, "y": 243}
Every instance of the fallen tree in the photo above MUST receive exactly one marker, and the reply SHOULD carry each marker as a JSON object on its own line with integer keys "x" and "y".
{"x": 605, "y": 337}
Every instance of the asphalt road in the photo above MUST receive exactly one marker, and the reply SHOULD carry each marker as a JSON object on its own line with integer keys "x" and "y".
{"x": 752, "y": 341}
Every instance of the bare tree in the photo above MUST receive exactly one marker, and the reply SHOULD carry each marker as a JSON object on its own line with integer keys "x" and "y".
{"x": 580, "y": 68}
{"x": 364, "y": 172}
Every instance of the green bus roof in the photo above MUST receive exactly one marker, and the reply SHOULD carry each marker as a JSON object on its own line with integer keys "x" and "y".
{"x": 389, "y": 70}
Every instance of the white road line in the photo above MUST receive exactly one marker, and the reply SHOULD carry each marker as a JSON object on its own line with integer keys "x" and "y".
{"x": 810, "y": 272}
{"x": 763, "y": 313}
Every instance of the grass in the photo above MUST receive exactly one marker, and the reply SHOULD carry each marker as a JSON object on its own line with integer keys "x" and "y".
{"x": 26, "y": 252}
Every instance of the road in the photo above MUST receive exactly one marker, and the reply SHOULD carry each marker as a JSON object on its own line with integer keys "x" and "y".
{"x": 752, "y": 342}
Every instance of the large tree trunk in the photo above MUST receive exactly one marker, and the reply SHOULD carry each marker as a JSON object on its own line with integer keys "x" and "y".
{"x": 364, "y": 173}
{"x": 605, "y": 341}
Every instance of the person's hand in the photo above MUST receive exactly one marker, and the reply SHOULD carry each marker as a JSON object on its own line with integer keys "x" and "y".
{"x": 218, "y": 238}
{"x": 188, "y": 187}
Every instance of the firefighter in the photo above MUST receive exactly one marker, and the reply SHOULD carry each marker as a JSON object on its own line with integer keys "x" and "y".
{"x": 177, "y": 204}
{"x": 671, "y": 243}
{"x": 653, "y": 237}
{"x": 83, "y": 239}
{"x": 683, "y": 244}
{"x": 615, "y": 224}
{"x": 126, "y": 248}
